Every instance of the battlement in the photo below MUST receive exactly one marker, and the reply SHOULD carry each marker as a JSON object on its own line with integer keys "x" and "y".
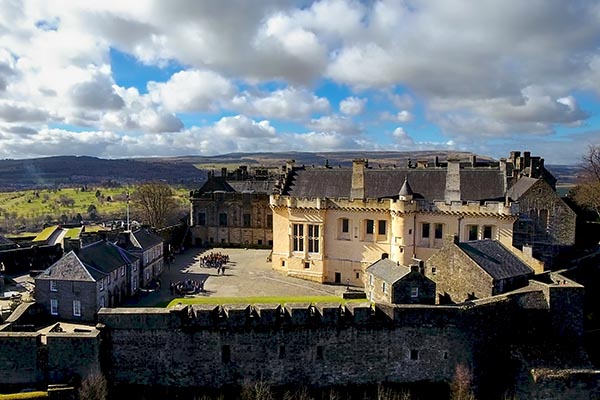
{"x": 298, "y": 315}
{"x": 488, "y": 207}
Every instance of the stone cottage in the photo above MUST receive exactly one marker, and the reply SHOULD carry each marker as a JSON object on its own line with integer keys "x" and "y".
{"x": 149, "y": 248}
{"x": 476, "y": 269}
{"x": 389, "y": 282}
{"x": 84, "y": 280}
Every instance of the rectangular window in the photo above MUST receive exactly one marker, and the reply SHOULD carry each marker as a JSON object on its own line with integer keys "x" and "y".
{"x": 345, "y": 225}
{"x": 370, "y": 227}
{"x": 425, "y": 230}
{"x": 381, "y": 228}
{"x": 414, "y": 292}
{"x": 246, "y": 218}
{"x": 313, "y": 238}
{"x": 76, "y": 308}
{"x": 472, "y": 229}
{"x": 283, "y": 263}
{"x": 298, "y": 237}
{"x": 54, "y": 307}
{"x": 439, "y": 231}
{"x": 358, "y": 275}
{"x": 414, "y": 354}
{"x": 433, "y": 270}
{"x": 53, "y": 287}
{"x": 102, "y": 302}
{"x": 101, "y": 284}
{"x": 123, "y": 270}
{"x": 201, "y": 218}
{"x": 384, "y": 287}
{"x": 269, "y": 220}
{"x": 307, "y": 265}
{"x": 222, "y": 219}
{"x": 487, "y": 232}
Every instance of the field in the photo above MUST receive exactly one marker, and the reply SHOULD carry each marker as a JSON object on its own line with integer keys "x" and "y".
{"x": 32, "y": 208}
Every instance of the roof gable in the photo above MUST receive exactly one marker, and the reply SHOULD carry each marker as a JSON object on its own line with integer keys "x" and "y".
{"x": 104, "y": 257}
{"x": 69, "y": 267}
{"x": 521, "y": 186}
{"x": 388, "y": 270}
{"x": 146, "y": 239}
{"x": 495, "y": 259}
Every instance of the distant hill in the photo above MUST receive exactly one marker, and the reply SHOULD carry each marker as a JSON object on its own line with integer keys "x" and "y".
{"x": 72, "y": 171}
{"x": 192, "y": 170}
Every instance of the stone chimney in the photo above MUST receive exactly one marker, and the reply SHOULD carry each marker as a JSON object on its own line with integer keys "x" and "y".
{"x": 473, "y": 160}
{"x": 452, "y": 180}
{"x": 358, "y": 179}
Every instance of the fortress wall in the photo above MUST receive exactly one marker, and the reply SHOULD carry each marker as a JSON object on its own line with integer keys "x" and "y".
{"x": 72, "y": 354}
{"x": 21, "y": 360}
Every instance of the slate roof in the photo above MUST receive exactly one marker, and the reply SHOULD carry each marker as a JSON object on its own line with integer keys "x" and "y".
{"x": 146, "y": 238}
{"x": 495, "y": 259}
{"x": 6, "y": 242}
{"x": 250, "y": 186}
{"x": 388, "y": 270}
{"x": 521, "y": 186}
{"x": 215, "y": 184}
{"x": 477, "y": 184}
{"x": 69, "y": 267}
{"x": 102, "y": 257}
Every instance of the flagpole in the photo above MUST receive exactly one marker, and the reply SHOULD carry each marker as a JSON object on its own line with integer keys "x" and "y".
{"x": 127, "y": 211}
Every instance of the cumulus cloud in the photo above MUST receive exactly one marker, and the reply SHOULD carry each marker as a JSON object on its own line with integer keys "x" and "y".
{"x": 288, "y": 104}
{"x": 335, "y": 124}
{"x": 191, "y": 91}
{"x": 352, "y": 105}
{"x": 478, "y": 72}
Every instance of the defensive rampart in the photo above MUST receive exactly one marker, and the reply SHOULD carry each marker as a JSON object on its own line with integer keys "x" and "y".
{"x": 307, "y": 344}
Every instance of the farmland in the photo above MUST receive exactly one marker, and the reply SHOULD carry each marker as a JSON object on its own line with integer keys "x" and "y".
{"x": 30, "y": 209}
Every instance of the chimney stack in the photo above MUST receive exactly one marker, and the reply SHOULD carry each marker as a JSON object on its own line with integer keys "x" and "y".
{"x": 452, "y": 180}
{"x": 358, "y": 179}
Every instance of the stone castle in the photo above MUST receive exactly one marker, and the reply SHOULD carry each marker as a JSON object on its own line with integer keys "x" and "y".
{"x": 502, "y": 339}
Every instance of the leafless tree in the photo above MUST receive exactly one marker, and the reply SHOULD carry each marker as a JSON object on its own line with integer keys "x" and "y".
{"x": 587, "y": 192}
{"x": 155, "y": 203}
{"x": 94, "y": 387}
{"x": 461, "y": 387}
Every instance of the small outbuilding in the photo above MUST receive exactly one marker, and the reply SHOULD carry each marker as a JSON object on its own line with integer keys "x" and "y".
{"x": 476, "y": 269}
{"x": 388, "y": 282}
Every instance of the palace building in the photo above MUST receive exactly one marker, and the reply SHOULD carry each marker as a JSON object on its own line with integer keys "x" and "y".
{"x": 330, "y": 224}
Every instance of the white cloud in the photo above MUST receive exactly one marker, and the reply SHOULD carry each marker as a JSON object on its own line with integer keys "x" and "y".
{"x": 335, "y": 124}
{"x": 191, "y": 91}
{"x": 401, "y": 137}
{"x": 405, "y": 116}
{"x": 288, "y": 104}
{"x": 353, "y": 105}
{"x": 242, "y": 126}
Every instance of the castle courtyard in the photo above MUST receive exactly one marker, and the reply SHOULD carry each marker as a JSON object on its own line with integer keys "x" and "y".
{"x": 248, "y": 273}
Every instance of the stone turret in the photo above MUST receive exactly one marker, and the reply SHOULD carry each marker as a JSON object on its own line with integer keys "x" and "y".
{"x": 406, "y": 192}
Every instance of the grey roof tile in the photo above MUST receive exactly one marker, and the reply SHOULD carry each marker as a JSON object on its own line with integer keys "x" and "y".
{"x": 521, "y": 186}
{"x": 69, "y": 267}
{"x": 388, "y": 270}
{"x": 495, "y": 259}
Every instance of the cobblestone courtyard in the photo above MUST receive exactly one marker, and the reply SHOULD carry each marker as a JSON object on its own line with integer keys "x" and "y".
{"x": 247, "y": 274}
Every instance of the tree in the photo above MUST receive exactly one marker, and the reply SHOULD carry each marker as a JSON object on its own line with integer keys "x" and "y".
{"x": 587, "y": 192}
{"x": 155, "y": 202}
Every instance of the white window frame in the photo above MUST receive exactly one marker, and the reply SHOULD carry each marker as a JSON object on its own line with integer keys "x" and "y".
{"x": 53, "y": 286}
{"x": 313, "y": 232}
{"x": 53, "y": 306}
{"x": 76, "y": 308}
{"x": 414, "y": 292}
{"x": 298, "y": 238}
{"x": 101, "y": 281}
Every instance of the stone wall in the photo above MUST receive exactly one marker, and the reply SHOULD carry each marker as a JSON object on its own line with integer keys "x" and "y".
{"x": 311, "y": 345}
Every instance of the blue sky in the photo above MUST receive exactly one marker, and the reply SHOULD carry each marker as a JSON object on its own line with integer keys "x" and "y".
{"x": 154, "y": 78}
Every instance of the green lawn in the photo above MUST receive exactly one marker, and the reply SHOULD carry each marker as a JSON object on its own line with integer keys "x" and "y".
{"x": 45, "y": 205}
{"x": 28, "y": 395}
{"x": 260, "y": 300}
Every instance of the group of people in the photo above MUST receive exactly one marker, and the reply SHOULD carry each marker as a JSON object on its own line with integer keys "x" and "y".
{"x": 187, "y": 286}
{"x": 215, "y": 260}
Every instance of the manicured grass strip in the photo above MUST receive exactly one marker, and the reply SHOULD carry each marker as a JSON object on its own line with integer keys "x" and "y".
{"x": 28, "y": 395}
{"x": 260, "y": 300}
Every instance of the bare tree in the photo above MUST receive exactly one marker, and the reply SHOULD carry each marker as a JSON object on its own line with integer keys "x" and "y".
{"x": 461, "y": 387}
{"x": 587, "y": 192}
{"x": 155, "y": 202}
{"x": 94, "y": 387}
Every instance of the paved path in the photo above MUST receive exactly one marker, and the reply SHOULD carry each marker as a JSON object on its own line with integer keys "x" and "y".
{"x": 247, "y": 274}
